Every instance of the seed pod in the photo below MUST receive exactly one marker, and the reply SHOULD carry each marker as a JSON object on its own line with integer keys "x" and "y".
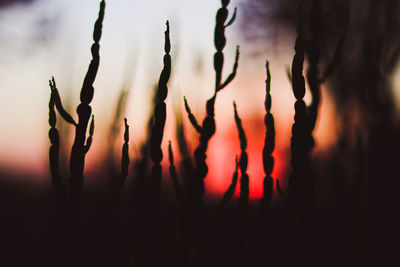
{"x": 233, "y": 73}
{"x": 52, "y": 113}
{"x": 225, "y": 3}
{"x": 99, "y": 23}
{"x": 57, "y": 102}
{"x": 268, "y": 163}
{"x": 244, "y": 159}
{"x": 218, "y": 61}
{"x": 87, "y": 87}
{"x": 230, "y": 22}
{"x": 192, "y": 118}
{"x": 90, "y": 137}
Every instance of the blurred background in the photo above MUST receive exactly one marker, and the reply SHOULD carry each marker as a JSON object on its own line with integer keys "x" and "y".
{"x": 40, "y": 39}
{"x": 356, "y": 155}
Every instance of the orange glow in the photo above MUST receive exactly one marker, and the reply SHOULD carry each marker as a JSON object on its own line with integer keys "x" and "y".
{"x": 221, "y": 161}
{"x": 29, "y": 152}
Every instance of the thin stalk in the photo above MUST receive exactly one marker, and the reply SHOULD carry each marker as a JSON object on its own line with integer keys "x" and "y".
{"x": 243, "y": 162}
{"x": 244, "y": 188}
{"x": 80, "y": 148}
{"x": 140, "y": 191}
{"x": 124, "y": 160}
{"x": 54, "y": 144}
{"x": 187, "y": 169}
{"x": 301, "y": 180}
{"x": 207, "y": 130}
{"x": 231, "y": 189}
{"x": 120, "y": 108}
{"x": 186, "y": 164}
{"x": 268, "y": 164}
{"x": 174, "y": 176}
{"x": 300, "y": 142}
{"x": 156, "y": 154}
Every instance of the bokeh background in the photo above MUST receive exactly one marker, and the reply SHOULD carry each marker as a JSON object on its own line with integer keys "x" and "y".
{"x": 355, "y": 158}
{"x": 40, "y": 39}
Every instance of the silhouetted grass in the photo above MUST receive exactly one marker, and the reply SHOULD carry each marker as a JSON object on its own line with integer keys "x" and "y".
{"x": 243, "y": 161}
{"x": 184, "y": 247}
{"x": 301, "y": 181}
{"x": 115, "y": 127}
{"x": 124, "y": 162}
{"x": 231, "y": 189}
{"x": 121, "y": 105}
{"x": 194, "y": 233}
{"x": 244, "y": 189}
{"x": 80, "y": 148}
{"x": 156, "y": 153}
{"x": 186, "y": 164}
{"x": 207, "y": 129}
{"x": 140, "y": 192}
{"x": 55, "y": 143}
{"x": 279, "y": 190}
{"x": 193, "y": 225}
{"x": 268, "y": 164}
{"x": 298, "y": 180}
{"x": 174, "y": 175}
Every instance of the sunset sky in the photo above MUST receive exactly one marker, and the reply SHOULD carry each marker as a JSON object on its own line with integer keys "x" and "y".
{"x": 53, "y": 38}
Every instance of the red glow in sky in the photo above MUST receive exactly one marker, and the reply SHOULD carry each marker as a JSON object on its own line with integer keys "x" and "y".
{"x": 29, "y": 152}
{"x": 221, "y": 160}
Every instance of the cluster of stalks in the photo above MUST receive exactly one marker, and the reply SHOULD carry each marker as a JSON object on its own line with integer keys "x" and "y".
{"x": 147, "y": 186}
{"x": 80, "y": 146}
{"x": 197, "y": 172}
{"x": 301, "y": 181}
{"x": 207, "y": 129}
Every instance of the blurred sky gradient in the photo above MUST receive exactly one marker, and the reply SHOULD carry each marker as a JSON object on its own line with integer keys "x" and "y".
{"x": 47, "y": 38}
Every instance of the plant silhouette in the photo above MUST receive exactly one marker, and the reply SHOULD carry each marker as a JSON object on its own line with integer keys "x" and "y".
{"x": 336, "y": 208}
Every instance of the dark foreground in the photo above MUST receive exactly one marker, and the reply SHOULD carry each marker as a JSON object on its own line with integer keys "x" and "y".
{"x": 32, "y": 230}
